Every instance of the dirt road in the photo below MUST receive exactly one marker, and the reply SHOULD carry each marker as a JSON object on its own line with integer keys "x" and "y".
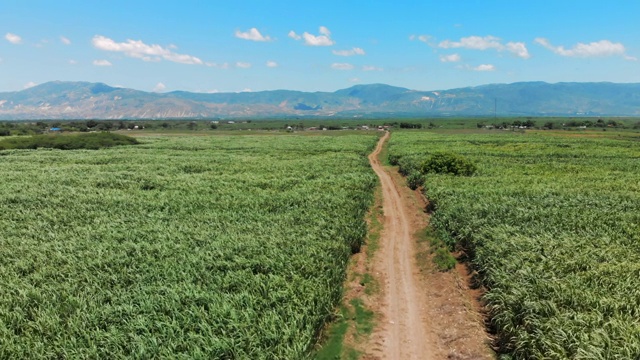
{"x": 405, "y": 335}
{"x": 422, "y": 313}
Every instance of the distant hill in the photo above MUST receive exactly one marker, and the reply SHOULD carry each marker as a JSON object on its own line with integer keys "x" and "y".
{"x": 83, "y": 100}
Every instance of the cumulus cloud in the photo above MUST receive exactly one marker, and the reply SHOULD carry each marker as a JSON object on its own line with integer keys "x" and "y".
{"x": 593, "y": 49}
{"x": 424, "y": 38}
{"x": 30, "y": 84}
{"x": 13, "y": 38}
{"x": 139, "y": 50}
{"x": 518, "y": 49}
{"x": 323, "y": 39}
{"x": 102, "y": 63}
{"x": 371, "y": 68}
{"x": 354, "y": 80}
{"x": 351, "y": 52}
{"x": 450, "y": 58}
{"x": 216, "y": 65}
{"x": 292, "y": 34}
{"x": 342, "y": 66}
{"x": 243, "y": 65}
{"x": 484, "y": 67}
{"x": 65, "y": 40}
{"x": 473, "y": 42}
{"x": 159, "y": 87}
{"x": 272, "y": 64}
{"x": 72, "y": 62}
{"x": 252, "y": 34}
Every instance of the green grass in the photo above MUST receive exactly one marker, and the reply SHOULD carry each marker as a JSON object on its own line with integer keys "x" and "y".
{"x": 180, "y": 247}
{"x": 551, "y": 221}
{"x": 333, "y": 347}
{"x": 363, "y": 317}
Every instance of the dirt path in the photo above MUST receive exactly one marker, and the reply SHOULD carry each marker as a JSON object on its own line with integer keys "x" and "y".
{"x": 423, "y": 314}
{"x": 405, "y": 331}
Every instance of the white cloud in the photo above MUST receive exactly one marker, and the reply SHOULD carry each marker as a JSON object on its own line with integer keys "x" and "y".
{"x": 472, "y": 42}
{"x": 354, "y": 80}
{"x": 593, "y": 49}
{"x": 102, "y": 63}
{"x": 371, "y": 68}
{"x": 423, "y": 38}
{"x": 139, "y": 50}
{"x": 272, "y": 64}
{"x": 292, "y": 34}
{"x": 72, "y": 62}
{"x": 13, "y": 38}
{"x": 342, "y": 66}
{"x": 246, "y": 90}
{"x": 252, "y": 34}
{"x": 65, "y": 40}
{"x": 159, "y": 87}
{"x": 484, "y": 67}
{"x": 324, "y": 39}
{"x": 216, "y": 65}
{"x": 243, "y": 65}
{"x": 518, "y": 49}
{"x": 450, "y": 58}
{"x": 30, "y": 84}
{"x": 354, "y": 51}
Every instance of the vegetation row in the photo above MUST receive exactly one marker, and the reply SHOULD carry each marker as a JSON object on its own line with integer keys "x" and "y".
{"x": 225, "y": 247}
{"x": 552, "y": 227}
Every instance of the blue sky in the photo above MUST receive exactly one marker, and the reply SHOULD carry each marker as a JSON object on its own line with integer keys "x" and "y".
{"x": 226, "y": 46}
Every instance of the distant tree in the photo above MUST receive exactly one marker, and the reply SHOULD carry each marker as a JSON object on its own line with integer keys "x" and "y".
{"x": 406, "y": 125}
{"x": 548, "y": 125}
{"x": 91, "y": 124}
{"x": 104, "y": 126}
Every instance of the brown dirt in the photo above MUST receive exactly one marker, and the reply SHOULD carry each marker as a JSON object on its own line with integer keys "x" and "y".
{"x": 422, "y": 313}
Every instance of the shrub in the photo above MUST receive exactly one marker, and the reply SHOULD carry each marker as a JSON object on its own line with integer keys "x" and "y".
{"x": 448, "y": 163}
{"x": 443, "y": 259}
{"x": 91, "y": 141}
{"x": 415, "y": 180}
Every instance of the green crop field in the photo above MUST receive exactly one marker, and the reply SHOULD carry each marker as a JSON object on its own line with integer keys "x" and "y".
{"x": 552, "y": 224}
{"x": 230, "y": 247}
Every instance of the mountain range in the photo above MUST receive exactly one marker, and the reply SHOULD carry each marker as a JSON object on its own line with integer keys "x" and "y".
{"x": 85, "y": 100}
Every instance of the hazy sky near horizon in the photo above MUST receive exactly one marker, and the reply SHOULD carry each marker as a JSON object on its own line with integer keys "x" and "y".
{"x": 253, "y": 45}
